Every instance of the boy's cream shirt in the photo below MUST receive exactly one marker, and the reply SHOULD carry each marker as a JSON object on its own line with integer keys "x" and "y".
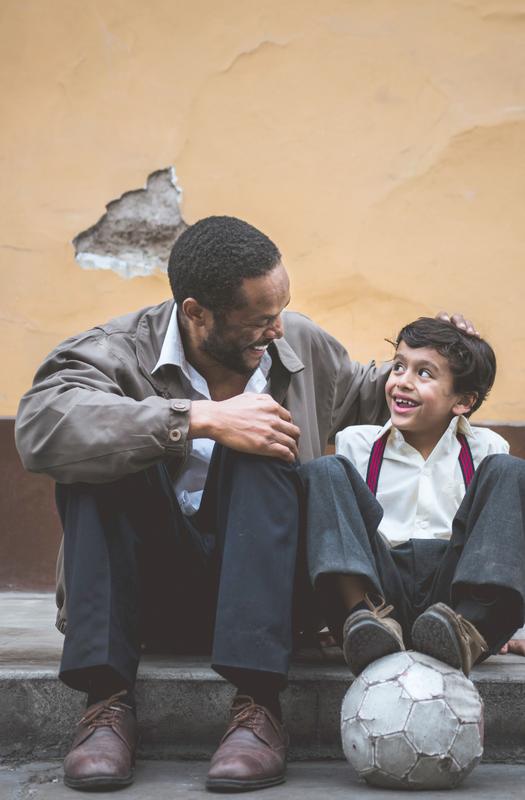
{"x": 419, "y": 498}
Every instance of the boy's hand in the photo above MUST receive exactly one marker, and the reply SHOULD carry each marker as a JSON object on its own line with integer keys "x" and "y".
{"x": 515, "y": 646}
{"x": 459, "y": 321}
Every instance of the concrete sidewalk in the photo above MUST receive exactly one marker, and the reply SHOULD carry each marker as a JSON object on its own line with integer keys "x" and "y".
{"x": 171, "y": 780}
{"x": 183, "y": 705}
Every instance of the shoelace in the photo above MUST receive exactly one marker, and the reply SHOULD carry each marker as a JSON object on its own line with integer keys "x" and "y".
{"x": 103, "y": 714}
{"x": 469, "y": 631}
{"x": 246, "y": 716}
{"x": 381, "y": 610}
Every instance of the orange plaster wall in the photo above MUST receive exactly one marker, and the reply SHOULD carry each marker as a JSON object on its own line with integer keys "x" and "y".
{"x": 380, "y": 144}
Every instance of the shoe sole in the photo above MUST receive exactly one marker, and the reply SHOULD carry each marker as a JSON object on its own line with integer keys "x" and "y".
{"x": 434, "y": 635}
{"x": 98, "y": 782}
{"x": 367, "y": 641}
{"x": 233, "y": 785}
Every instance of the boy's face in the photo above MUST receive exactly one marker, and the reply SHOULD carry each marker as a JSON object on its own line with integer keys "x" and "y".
{"x": 420, "y": 393}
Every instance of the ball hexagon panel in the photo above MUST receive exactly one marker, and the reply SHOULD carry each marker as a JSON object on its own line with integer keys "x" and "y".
{"x": 422, "y": 682}
{"x": 353, "y": 699}
{"x": 467, "y": 747}
{"x": 463, "y": 697}
{"x": 358, "y": 746}
{"x": 384, "y": 668}
{"x": 392, "y": 750}
{"x": 385, "y": 708}
{"x": 437, "y": 772}
{"x": 431, "y": 727}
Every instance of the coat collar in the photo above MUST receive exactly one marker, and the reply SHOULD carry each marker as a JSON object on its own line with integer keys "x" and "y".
{"x": 151, "y": 331}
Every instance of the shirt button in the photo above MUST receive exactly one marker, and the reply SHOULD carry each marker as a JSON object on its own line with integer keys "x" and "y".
{"x": 175, "y": 434}
{"x": 180, "y": 405}
{"x": 423, "y": 523}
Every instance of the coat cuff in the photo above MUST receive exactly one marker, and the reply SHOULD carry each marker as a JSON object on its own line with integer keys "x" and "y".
{"x": 178, "y": 427}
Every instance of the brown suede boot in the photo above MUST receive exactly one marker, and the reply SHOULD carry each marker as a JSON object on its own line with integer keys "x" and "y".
{"x": 370, "y": 634}
{"x": 441, "y": 633}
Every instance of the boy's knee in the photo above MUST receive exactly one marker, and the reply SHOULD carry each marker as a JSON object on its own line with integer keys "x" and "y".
{"x": 502, "y": 463}
{"x": 321, "y": 466}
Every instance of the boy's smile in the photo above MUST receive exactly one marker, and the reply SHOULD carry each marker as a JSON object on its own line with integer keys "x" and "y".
{"x": 420, "y": 395}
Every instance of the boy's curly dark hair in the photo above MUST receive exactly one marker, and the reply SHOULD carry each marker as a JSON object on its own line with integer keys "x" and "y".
{"x": 471, "y": 360}
{"x": 211, "y": 258}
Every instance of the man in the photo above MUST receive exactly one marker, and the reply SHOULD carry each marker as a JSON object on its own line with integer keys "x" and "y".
{"x": 173, "y": 434}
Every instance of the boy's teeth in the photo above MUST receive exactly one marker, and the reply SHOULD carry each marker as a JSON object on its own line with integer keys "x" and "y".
{"x": 409, "y": 403}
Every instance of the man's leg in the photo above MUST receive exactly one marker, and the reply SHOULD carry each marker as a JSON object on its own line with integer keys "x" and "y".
{"x": 253, "y": 505}
{"x": 110, "y": 532}
{"x": 482, "y": 575}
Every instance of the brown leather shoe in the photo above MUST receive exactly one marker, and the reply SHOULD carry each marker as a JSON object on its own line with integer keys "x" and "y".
{"x": 252, "y": 752}
{"x": 370, "y": 634}
{"x": 441, "y": 633}
{"x": 102, "y": 755}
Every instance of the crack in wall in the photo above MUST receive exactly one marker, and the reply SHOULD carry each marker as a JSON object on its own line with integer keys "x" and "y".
{"x": 135, "y": 235}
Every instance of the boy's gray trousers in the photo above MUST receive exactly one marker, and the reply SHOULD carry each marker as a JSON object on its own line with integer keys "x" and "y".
{"x": 486, "y": 549}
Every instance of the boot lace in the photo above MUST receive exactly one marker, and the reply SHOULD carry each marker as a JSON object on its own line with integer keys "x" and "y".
{"x": 379, "y": 610}
{"x": 469, "y": 632}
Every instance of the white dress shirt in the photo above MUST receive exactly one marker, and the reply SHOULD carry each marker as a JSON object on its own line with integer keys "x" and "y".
{"x": 419, "y": 498}
{"x": 190, "y": 484}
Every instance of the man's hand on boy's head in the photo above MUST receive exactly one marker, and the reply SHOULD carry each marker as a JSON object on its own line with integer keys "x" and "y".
{"x": 514, "y": 646}
{"x": 459, "y": 321}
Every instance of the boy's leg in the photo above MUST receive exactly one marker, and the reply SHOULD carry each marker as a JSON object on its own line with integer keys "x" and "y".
{"x": 482, "y": 575}
{"x": 348, "y": 559}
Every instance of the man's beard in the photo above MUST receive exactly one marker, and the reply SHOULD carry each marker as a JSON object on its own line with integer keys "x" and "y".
{"x": 230, "y": 355}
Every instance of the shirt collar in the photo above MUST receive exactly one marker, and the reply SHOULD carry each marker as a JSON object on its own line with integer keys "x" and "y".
{"x": 172, "y": 352}
{"x": 458, "y": 424}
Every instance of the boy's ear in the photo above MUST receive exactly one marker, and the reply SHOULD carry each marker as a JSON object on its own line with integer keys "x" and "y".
{"x": 464, "y": 403}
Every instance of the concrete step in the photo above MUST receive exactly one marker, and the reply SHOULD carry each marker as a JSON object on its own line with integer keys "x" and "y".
{"x": 169, "y": 780}
{"x": 183, "y": 704}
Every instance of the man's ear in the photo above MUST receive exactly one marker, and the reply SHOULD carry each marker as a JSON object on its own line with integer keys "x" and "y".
{"x": 193, "y": 312}
{"x": 464, "y": 403}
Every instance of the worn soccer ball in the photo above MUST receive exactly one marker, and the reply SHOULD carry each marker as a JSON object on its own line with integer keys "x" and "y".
{"x": 411, "y": 721}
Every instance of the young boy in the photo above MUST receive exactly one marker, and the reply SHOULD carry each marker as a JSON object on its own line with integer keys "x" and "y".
{"x": 415, "y": 531}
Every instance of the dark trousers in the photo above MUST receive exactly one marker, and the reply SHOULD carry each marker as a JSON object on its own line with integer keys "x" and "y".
{"x": 486, "y": 549}
{"x": 226, "y": 580}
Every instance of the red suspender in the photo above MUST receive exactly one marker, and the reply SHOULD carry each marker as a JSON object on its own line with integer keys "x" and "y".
{"x": 378, "y": 450}
{"x": 465, "y": 459}
{"x": 375, "y": 462}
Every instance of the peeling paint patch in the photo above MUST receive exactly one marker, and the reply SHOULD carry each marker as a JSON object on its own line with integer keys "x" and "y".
{"x": 136, "y": 234}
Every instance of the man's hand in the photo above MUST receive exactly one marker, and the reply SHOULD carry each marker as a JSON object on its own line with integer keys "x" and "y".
{"x": 250, "y": 423}
{"x": 515, "y": 646}
{"x": 459, "y": 321}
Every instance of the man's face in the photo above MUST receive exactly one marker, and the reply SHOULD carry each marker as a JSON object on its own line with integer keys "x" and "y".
{"x": 420, "y": 391}
{"x": 239, "y": 338}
